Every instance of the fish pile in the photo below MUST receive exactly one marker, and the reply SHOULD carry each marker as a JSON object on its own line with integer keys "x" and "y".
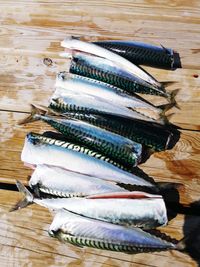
{"x": 86, "y": 171}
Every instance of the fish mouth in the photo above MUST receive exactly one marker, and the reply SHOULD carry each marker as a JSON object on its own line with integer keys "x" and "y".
{"x": 52, "y": 233}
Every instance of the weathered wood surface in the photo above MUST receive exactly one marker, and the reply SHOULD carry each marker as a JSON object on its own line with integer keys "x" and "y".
{"x": 31, "y": 31}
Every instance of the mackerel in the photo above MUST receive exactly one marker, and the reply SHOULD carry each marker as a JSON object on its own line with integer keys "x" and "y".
{"x": 109, "y": 144}
{"x": 60, "y": 182}
{"x": 71, "y": 44}
{"x": 39, "y": 149}
{"x": 124, "y": 208}
{"x": 110, "y": 93}
{"x": 144, "y": 54}
{"x": 81, "y": 231}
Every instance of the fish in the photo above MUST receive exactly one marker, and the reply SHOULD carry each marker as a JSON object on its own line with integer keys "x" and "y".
{"x": 39, "y": 149}
{"x": 151, "y": 135}
{"x": 73, "y": 44}
{"x": 110, "y": 93}
{"x": 60, "y": 182}
{"x": 144, "y": 54}
{"x": 69, "y": 227}
{"x": 114, "y": 146}
{"x": 105, "y": 71}
{"x": 67, "y": 99}
{"x": 131, "y": 209}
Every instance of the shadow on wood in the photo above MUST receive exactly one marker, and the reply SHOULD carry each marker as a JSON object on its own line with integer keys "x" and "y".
{"x": 191, "y": 230}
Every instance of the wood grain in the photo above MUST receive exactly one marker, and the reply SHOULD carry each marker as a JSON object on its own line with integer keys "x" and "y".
{"x": 31, "y": 31}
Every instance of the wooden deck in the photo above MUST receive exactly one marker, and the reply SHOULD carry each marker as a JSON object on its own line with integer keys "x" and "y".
{"x": 31, "y": 31}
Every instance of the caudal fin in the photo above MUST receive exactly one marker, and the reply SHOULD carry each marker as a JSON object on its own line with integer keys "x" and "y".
{"x": 27, "y": 200}
{"x": 190, "y": 243}
{"x": 36, "y": 111}
{"x": 166, "y": 84}
{"x": 172, "y": 99}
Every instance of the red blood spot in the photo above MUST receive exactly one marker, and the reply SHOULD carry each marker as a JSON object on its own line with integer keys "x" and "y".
{"x": 195, "y": 75}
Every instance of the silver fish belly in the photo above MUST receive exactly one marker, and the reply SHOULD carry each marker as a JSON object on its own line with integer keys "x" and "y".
{"x": 63, "y": 183}
{"x": 74, "y": 44}
{"x": 69, "y": 156}
{"x": 84, "y": 85}
{"x": 81, "y": 231}
{"x": 146, "y": 213}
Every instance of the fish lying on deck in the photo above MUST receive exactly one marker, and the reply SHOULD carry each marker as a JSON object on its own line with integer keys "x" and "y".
{"x": 71, "y": 44}
{"x": 124, "y": 208}
{"x": 152, "y": 135}
{"x": 114, "y": 95}
{"x": 144, "y": 54}
{"x": 114, "y": 146}
{"x": 68, "y": 99}
{"x": 39, "y": 149}
{"x": 81, "y": 231}
{"x": 105, "y": 71}
{"x": 59, "y": 182}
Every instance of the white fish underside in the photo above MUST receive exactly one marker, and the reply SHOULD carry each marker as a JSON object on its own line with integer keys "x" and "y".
{"x": 61, "y": 181}
{"x": 145, "y": 213}
{"x": 96, "y": 103}
{"x": 77, "y": 162}
{"x": 80, "y": 226}
{"x": 90, "y": 48}
{"x": 83, "y": 85}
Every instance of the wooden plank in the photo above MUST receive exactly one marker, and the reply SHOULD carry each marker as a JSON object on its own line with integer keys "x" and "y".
{"x": 177, "y": 165}
{"x": 24, "y": 237}
{"x": 141, "y": 21}
{"x": 31, "y": 31}
{"x": 33, "y": 82}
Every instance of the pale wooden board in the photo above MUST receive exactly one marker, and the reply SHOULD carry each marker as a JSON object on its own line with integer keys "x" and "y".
{"x": 31, "y": 31}
{"x": 25, "y": 239}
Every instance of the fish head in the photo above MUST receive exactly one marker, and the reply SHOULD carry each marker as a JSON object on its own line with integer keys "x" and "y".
{"x": 62, "y": 75}
{"x": 32, "y": 138}
{"x": 59, "y": 220}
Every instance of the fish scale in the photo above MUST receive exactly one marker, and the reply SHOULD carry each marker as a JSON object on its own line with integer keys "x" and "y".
{"x": 128, "y": 85}
{"x": 83, "y": 231}
{"x": 89, "y": 136}
{"x": 77, "y": 148}
{"x": 94, "y": 243}
{"x": 38, "y": 150}
{"x": 151, "y": 135}
{"x": 73, "y": 83}
{"x": 144, "y": 54}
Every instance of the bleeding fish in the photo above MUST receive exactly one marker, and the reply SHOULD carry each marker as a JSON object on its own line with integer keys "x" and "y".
{"x": 124, "y": 208}
{"x": 64, "y": 183}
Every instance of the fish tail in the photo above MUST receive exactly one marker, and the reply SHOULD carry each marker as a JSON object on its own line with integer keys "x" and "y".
{"x": 27, "y": 200}
{"x": 36, "y": 111}
{"x": 164, "y": 108}
{"x": 181, "y": 245}
{"x": 167, "y": 84}
{"x": 190, "y": 242}
{"x": 172, "y": 96}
